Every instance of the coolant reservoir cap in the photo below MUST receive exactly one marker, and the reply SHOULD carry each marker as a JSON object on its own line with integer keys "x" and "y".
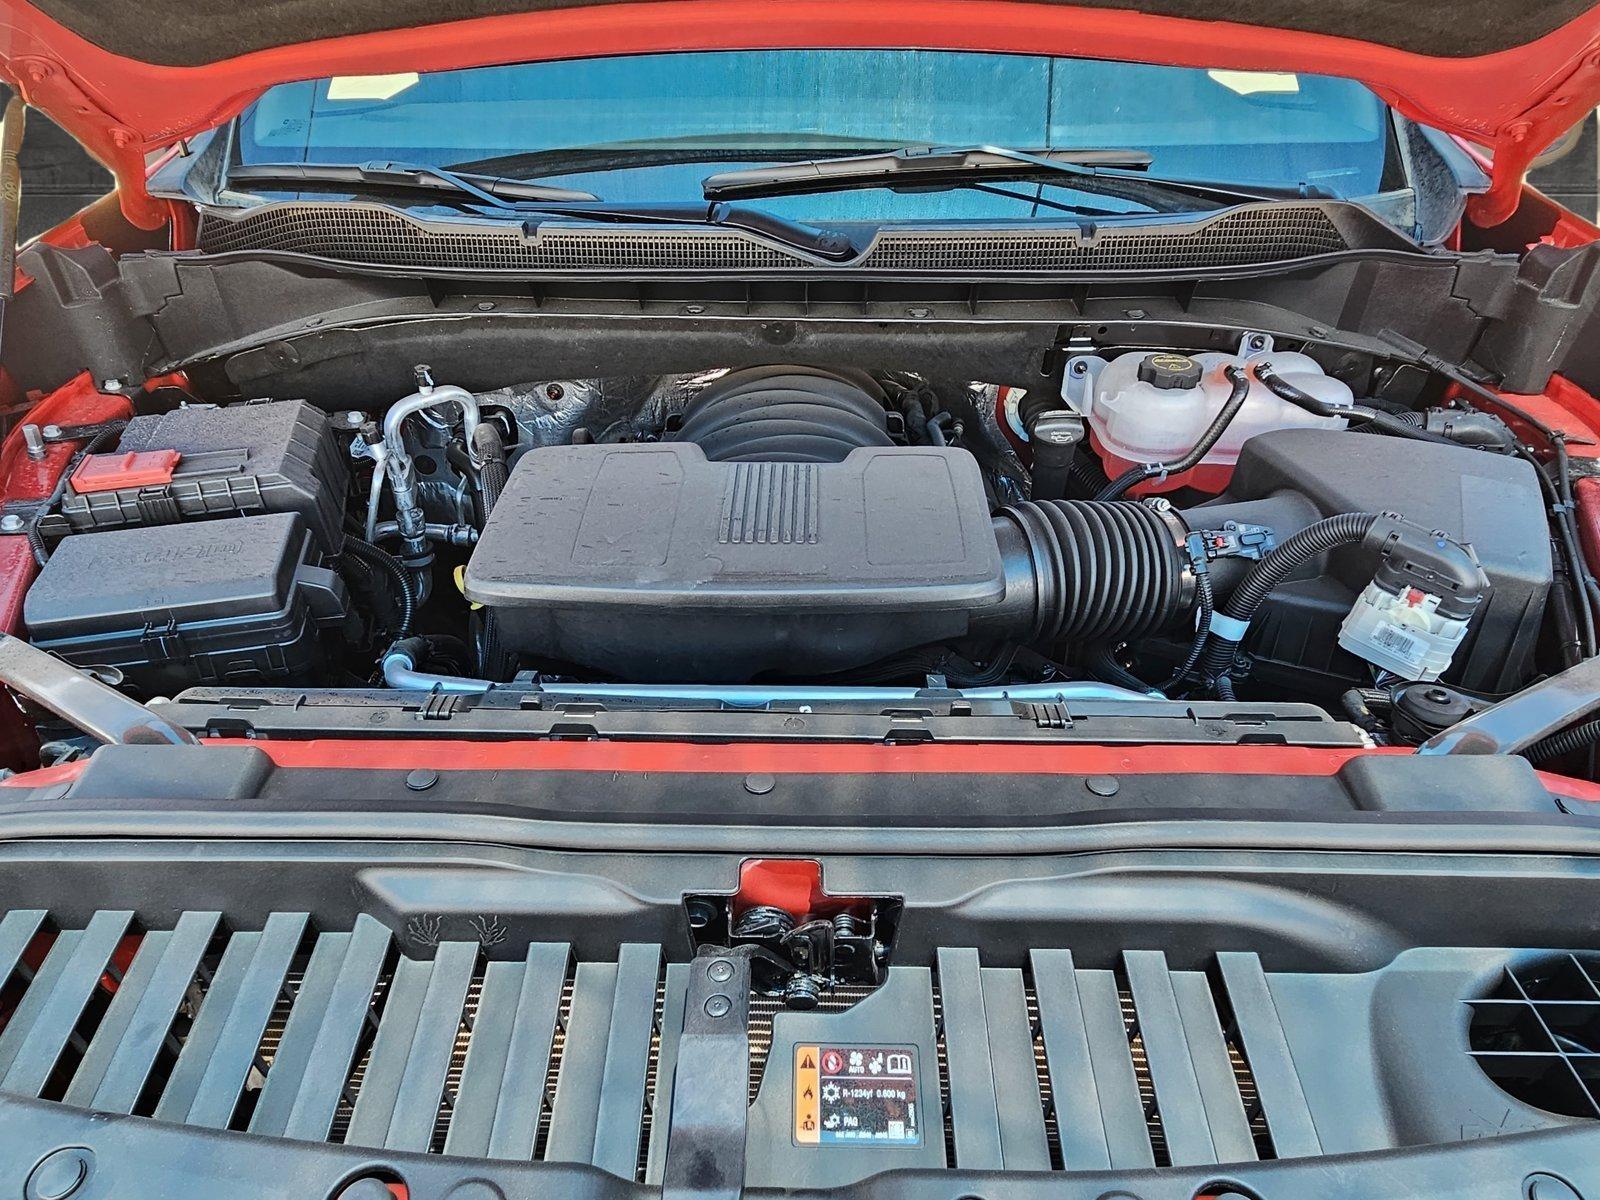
{"x": 1170, "y": 372}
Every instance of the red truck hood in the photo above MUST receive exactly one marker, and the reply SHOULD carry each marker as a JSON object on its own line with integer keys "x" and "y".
{"x": 132, "y": 77}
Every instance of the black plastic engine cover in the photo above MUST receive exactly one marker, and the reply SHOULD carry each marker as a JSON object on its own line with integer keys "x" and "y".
{"x": 1290, "y": 478}
{"x": 653, "y": 564}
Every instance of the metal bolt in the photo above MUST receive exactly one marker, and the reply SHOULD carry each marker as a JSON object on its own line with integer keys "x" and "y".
{"x": 1080, "y": 367}
{"x": 720, "y": 971}
{"x": 802, "y": 992}
{"x": 33, "y": 440}
{"x": 693, "y": 310}
{"x": 920, "y": 314}
{"x": 111, "y": 385}
{"x": 52, "y": 433}
{"x": 1319, "y": 331}
{"x": 421, "y": 779}
{"x": 11, "y": 523}
{"x": 555, "y": 391}
{"x": 485, "y": 305}
{"x": 718, "y": 1006}
{"x": 1136, "y": 314}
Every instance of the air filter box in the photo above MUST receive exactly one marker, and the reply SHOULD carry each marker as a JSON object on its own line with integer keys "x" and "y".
{"x": 1290, "y": 478}
{"x": 274, "y": 457}
{"x": 651, "y": 563}
{"x": 214, "y": 602}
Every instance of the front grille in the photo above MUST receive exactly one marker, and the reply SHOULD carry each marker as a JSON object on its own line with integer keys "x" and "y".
{"x": 373, "y": 235}
{"x": 481, "y": 1049}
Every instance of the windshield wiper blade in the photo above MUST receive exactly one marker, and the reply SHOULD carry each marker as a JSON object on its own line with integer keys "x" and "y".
{"x": 1120, "y": 172}
{"x": 492, "y": 191}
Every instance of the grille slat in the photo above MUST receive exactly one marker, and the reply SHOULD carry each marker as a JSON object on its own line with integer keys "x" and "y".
{"x": 1283, "y": 1100}
{"x": 1075, "y": 1092}
{"x": 399, "y": 1098}
{"x": 41, "y": 1040}
{"x": 501, "y": 1097}
{"x": 331, "y": 1036}
{"x": 368, "y": 234}
{"x": 1184, "y": 1120}
{"x": 205, "y": 1091}
{"x": 125, "y": 1048}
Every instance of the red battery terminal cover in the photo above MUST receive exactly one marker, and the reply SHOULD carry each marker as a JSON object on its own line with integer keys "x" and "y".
{"x": 113, "y": 472}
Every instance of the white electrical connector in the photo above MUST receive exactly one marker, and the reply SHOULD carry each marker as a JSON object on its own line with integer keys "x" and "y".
{"x": 1403, "y": 633}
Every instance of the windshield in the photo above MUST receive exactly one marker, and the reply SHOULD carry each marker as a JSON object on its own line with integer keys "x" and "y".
{"x": 651, "y": 127}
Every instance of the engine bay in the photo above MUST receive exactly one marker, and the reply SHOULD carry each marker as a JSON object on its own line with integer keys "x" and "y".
{"x": 1188, "y": 523}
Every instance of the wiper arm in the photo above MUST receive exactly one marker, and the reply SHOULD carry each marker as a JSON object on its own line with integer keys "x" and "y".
{"x": 515, "y": 197}
{"x": 792, "y": 235}
{"x": 1108, "y": 170}
{"x": 490, "y": 190}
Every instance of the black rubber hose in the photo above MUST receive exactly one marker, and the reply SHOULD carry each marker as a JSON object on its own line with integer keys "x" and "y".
{"x": 1102, "y": 571}
{"x": 1103, "y": 665}
{"x": 492, "y": 471}
{"x": 1264, "y": 578}
{"x": 1568, "y": 741}
{"x": 1378, "y": 422}
{"x": 1213, "y": 434}
{"x": 405, "y": 602}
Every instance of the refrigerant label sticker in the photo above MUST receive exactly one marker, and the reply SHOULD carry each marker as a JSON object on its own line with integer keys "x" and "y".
{"x": 847, "y": 1095}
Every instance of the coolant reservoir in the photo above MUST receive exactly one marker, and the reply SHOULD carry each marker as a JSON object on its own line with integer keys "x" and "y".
{"x": 1153, "y": 408}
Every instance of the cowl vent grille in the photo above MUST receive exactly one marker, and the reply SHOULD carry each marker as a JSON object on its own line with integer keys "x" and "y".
{"x": 1537, "y": 1033}
{"x": 376, "y": 236}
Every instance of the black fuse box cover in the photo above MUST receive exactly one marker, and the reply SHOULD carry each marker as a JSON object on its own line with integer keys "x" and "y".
{"x": 652, "y": 563}
{"x": 228, "y": 601}
{"x": 237, "y": 460}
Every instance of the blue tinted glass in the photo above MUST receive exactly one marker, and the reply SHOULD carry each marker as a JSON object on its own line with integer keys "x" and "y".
{"x": 1244, "y": 127}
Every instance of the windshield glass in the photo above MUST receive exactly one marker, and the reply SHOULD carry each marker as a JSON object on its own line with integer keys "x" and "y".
{"x": 651, "y": 127}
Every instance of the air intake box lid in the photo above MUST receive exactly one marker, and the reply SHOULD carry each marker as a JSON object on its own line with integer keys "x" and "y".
{"x": 651, "y": 563}
{"x": 658, "y": 525}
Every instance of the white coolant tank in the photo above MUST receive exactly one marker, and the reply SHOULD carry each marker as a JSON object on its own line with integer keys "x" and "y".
{"x": 1153, "y": 408}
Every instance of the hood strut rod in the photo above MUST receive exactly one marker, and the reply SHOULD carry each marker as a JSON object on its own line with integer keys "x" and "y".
{"x": 83, "y": 701}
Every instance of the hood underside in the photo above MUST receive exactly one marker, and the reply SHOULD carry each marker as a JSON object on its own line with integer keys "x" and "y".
{"x": 136, "y": 76}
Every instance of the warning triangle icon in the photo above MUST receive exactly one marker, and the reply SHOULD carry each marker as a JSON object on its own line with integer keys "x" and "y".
{"x": 807, "y": 1064}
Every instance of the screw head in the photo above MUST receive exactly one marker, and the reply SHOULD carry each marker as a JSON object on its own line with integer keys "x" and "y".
{"x": 720, "y": 971}
{"x": 718, "y": 1006}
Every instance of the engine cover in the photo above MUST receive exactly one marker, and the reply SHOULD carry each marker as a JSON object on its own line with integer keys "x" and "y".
{"x": 651, "y": 563}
